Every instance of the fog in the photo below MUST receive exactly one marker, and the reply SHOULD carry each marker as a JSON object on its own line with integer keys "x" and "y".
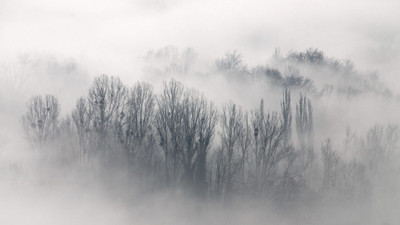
{"x": 115, "y": 33}
{"x": 70, "y": 102}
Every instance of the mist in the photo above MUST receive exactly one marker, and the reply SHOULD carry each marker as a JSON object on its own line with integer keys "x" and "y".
{"x": 212, "y": 112}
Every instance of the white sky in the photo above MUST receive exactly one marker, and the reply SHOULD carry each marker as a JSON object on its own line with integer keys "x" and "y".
{"x": 112, "y": 34}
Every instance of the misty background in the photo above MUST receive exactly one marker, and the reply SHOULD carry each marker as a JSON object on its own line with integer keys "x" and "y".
{"x": 59, "y": 47}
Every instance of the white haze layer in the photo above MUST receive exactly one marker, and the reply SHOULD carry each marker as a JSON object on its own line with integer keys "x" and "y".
{"x": 113, "y": 36}
{"x": 110, "y": 35}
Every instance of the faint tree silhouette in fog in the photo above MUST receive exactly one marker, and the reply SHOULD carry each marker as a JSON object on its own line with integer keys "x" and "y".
{"x": 245, "y": 144}
{"x": 66, "y": 145}
{"x": 169, "y": 60}
{"x": 380, "y": 148}
{"x": 287, "y": 184}
{"x": 218, "y": 172}
{"x": 231, "y": 131}
{"x": 355, "y": 183}
{"x": 41, "y": 119}
{"x": 294, "y": 80}
{"x": 272, "y": 75}
{"x": 231, "y": 63}
{"x": 305, "y": 131}
{"x": 309, "y": 56}
{"x": 286, "y": 112}
{"x": 82, "y": 118}
{"x": 299, "y": 157}
{"x": 331, "y": 163}
{"x": 15, "y": 76}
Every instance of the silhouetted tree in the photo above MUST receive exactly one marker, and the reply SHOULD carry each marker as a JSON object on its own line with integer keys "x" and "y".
{"x": 82, "y": 118}
{"x": 231, "y": 127}
{"x": 41, "y": 119}
{"x": 331, "y": 164}
{"x": 304, "y": 128}
{"x": 311, "y": 55}
{"x": 218, "y": 172}
{"x": 269, "y": 149}
{"x": 206, "y": 129}
{"x": 287, "y": 116}
{"x": 232, "y": 64}
{"x": 379, "y": 151}
{"x": 169, "y": 123}
{"x": 106, "y": 101}
{"x": 185, "y": 123}
{"x": 136, "y": 121}
{"x": 245, "y": 142}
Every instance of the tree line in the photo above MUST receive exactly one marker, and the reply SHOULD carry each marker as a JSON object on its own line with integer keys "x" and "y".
{"x": 178, "y": 139}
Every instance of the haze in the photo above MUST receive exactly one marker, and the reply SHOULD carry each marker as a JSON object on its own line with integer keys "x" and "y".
{"x": 243, "y": 66}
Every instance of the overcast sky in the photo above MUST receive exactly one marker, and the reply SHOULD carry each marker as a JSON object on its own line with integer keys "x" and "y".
{"x": 113, "y": 33}
{"x": 111, "y": 36}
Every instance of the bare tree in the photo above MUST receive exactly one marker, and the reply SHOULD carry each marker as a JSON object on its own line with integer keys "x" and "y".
{"x": 245, "y": 144}
{"x": 169, "y": 60}
{"x": 41, "y": 119}
{"x": 67, "y": 147}
{"x": 15, "y": 76}
{"x": 136, "y": 118}
{"x": 106, "y": 101}
{"x": 199, "y": 120}
{"x": 219, "y": 167}
{"x": 207, "y": 124}
{"x": 354, "y": 181}
{"x": 331, "y": 164}
{"x": 298, "y": 159}
{"x": 379, "y": 150}
{"x": 350, "y": 140}
{"x": 304, "y": 121}
{"x": 185, "y": 124}
{"x": 312, "y": 56}
{"x": 231, "y": 128}
{"x": 287, "y": 116}
{"x": 191, "y": 110}
{"x": 288, "y": 184}
{"x": 269, "y": 149}
{"x": 304, "y": 128}
{"x": 169, "y": 123}
{"x": 82, "y": 118}
{"x": 231, "y": 63}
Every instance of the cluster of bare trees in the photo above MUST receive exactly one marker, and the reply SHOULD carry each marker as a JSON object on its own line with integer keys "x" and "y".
{"x": 179, "y": 139}
{"x": 372, "y": 170}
